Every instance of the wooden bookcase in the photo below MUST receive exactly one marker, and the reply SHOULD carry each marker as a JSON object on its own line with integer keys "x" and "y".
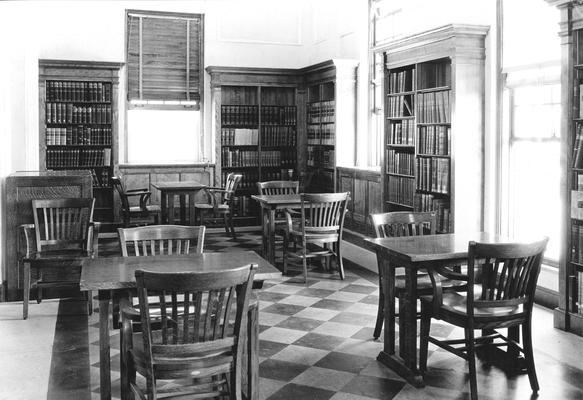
{"x": 434, "y": 125}
{"x": 256, "y": 129}
{"x": 78, "y": 111}
{"x": 330, "y": 121}
{"x": 569, "y": 314}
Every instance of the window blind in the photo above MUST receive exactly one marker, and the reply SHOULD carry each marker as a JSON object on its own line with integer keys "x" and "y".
{"x": 164, "y": 56}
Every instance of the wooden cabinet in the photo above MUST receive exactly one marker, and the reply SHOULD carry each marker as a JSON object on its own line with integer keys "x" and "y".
{"x": 569, "y": 314}
{"x": 21, "y": 189}
{"x": 434, "y": 125}
{"x": 78, "y": 109}
{"x": 330, "y": 121}
{"x": 256, "y": 129}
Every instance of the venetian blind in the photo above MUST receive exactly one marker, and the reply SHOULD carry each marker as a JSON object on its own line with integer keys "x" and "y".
{"x": 164, "y": 56}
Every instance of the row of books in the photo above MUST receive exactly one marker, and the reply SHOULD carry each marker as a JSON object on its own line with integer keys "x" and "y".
{"x": 577, "y": 243}
{"x": 433, "y": 175}
{"x": 278, "y": 115}
{"x": 401, "y": 81}
{"x": 78, "y": 91}
{"x": 434, "y": 139}
{"x": 101, "y": 178}
{"x": 433, "y": 107}
{"x": 240, "y": 115}
{"x": 321, "y": 112}
{"x": 401, "y": 190}
{"x": 78, "y": 158}
{"x": 239, "y": 136}
{"x": 68, "y": 113}
{"x": 317, "y": 157}
{"x": 400, "y": 106}
{"x": 402, "y": 132}
{"x": 400, "y": 163}
{"x": 428, "y": 202}
{"x": 278, "y": 136}
{"x": 252, "y": 158}
{"x": 323, "y": 135}
{"x": 578, "y": 147}
{"x": 78, "y": 135}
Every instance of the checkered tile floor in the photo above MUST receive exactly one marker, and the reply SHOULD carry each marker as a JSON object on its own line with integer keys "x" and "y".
{"x": 316, "y": 342}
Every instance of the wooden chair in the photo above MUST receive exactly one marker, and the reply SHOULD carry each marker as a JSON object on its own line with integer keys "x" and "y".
{"x": 220, "y": 202}
{"x": 62, "y": 236}
{"x": 320, "y": 226}
{"x": 404, "y": 223}
{"x": 500, "y": 296}
{"x": 275, "y": 188}
{"x": 198, "y": 352}
{"x": 141, "y": 214}
{"x": 154, "y": 240}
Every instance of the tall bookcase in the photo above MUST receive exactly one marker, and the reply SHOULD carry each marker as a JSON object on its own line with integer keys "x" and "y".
{"x": 256, "y": 129}
{"x": 569, "y": 314}
{"x": 434, "y": 125}
{"x": 78, "y": 112}
{"x": 330, "y": 121}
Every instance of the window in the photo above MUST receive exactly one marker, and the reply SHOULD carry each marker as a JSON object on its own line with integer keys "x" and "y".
{"x": 164, "y": 60}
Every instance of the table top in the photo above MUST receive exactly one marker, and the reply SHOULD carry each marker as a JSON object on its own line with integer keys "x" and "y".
{"x": 118, "y": 272}
{"x": 444, "y": 247}
{"x": 179, "y": 185}
{"x": 277, "y": 199}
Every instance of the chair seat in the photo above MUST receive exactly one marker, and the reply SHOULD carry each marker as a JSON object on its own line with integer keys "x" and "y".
{"x": 152, "y": 208}
{"x": 220, "y": 207}
{"x": 58, "y": 255}
{"x": 424, "y": 285}
{"x": 455, "y": 303}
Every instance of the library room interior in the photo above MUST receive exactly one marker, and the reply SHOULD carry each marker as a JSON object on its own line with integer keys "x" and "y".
{"x": 291, "y": 199}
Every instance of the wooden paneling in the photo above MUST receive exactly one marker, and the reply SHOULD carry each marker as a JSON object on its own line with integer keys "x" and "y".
{"x": 21, "y": 189}
{"x": 364, "y": 186}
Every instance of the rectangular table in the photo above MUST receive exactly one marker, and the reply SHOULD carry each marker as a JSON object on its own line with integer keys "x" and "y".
{"x": 182, "y": 189}
{"x": 269, "y": 204}
{"x": 117, "y": 274}
{"x": 413, "y": 253}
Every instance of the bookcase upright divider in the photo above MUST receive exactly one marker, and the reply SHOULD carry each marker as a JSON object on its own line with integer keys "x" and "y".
{"x": 434, "y": 125}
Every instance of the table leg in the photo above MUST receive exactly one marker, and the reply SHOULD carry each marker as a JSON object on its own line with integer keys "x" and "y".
{"x": 191, "y": 209}
{"x": 104, "y": 360}
{"x": 182, "y": 209}
{"x": 271, "y": 236}
{"x": 408, "y": 322}
{"x": 171, "y": 208}
{"x": 389, "y": 306}
{"x": 164, "y": 206}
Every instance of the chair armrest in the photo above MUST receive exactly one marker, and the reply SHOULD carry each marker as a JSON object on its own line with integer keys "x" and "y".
{"x": 451, "y": 274}
{"x": 93, "y": 239}
{"x": 136, "y": 191}
{"x": 144, "y": 197}
{"x": 437, "y": 290}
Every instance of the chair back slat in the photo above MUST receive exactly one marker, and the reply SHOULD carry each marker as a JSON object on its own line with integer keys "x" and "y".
{"x": 323, "y": 211}
{"x": 231, "y": 184}
{"x": 403, "y": 223}
{"x": 161, "y": 240}
{"x": 506, "y": 272}
{"x": 62, "y": 223}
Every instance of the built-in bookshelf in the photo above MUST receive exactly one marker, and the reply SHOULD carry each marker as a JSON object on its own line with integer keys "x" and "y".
{"x": 78, "y": 123}
{"x": 569, "y": 313}
{"x": 421, "y": 140}
{"x": 330, "y": 121}
{"x": 256, "y": 119}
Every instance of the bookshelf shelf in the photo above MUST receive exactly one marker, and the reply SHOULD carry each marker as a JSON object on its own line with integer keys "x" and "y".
{"x": 421, "y": 142}
{"x": 78, "y": 123}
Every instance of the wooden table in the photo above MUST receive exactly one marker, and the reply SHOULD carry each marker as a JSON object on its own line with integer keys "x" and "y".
{"x": 413, "y": 253}
{"x": 182, "y": 189}
{"x": 117, "y": 274}
{"x": 269, "y": 204}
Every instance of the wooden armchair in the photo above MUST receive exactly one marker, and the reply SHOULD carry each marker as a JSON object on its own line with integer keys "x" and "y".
{"x": 319, "y": 230}
{"x": 500, "y": 296}
{"x": 141, "y": 214}
{"x": 200, "y": 351}
{"x": 276, "y": 188}
{"x": 404, "y": 223}
{"x": 62, "y": 236}
{"x": 220, "y": 203}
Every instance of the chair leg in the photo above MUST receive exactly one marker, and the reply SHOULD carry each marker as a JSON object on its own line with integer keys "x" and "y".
{"x": 26, "y": 290}
{"x": 469, "y": 332}
{"x": 339, "y": 260}
{"x": 305, "y": 263}
{"x": 226, "y": 222}
{"x": 89, "y": 295}
{"x": 232, "y": 226}
{"x": 528, "y": 355}
{"x": 424, "y": 335}
{"x": 285, "y": 249}
{"x": 381, "y": 310}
